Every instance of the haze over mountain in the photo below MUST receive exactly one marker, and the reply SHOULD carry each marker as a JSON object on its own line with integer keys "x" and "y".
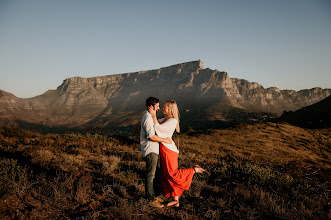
{"x": 118, "y": 100}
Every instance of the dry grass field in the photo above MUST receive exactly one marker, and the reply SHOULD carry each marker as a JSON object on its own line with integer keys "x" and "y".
{"x": 261, "y": 171}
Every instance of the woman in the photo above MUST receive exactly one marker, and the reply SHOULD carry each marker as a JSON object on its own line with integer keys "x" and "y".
{"x": 174, "y": 180}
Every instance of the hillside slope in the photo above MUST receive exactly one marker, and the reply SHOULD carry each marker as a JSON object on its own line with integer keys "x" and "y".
{"x": 317, "y": 115}
{"x": 261, "y": 171}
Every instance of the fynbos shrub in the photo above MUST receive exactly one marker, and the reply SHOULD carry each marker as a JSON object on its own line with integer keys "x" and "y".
{"x": 12, "y": 176}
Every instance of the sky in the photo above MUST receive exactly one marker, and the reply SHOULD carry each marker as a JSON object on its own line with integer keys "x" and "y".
{"x": 283, "y": 43}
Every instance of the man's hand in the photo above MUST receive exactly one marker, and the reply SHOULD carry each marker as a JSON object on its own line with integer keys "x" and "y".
{"x": 168, "y": 140}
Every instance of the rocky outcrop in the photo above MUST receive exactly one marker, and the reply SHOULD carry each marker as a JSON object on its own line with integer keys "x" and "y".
{"x": 116, "y": 100}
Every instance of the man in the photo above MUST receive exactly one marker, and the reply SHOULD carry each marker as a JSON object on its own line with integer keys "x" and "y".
{"x": 149, "y": 143}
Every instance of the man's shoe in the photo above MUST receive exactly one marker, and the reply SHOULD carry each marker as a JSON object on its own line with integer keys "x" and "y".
{"x": 156, "y": 204}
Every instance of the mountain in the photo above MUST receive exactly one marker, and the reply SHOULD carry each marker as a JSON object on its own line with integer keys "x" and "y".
{"x": 204, "y": 95}
{"x": 317, "y": 115}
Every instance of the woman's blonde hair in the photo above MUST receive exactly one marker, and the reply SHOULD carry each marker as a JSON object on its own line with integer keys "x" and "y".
{"x": 173, "y": 108}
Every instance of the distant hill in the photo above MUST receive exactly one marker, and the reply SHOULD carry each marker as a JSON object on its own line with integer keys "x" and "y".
{"x": 317, "y": 115}
{"x": 206, "y": 98}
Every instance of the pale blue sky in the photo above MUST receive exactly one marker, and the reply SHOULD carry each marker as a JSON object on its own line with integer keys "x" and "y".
{"x": 283, "y": 43}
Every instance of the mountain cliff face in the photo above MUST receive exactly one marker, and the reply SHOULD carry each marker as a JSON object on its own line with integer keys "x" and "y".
{"x": 118, "y": 100}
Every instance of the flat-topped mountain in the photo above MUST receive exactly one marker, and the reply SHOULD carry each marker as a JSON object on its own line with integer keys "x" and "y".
{"x": 203, "y": 94}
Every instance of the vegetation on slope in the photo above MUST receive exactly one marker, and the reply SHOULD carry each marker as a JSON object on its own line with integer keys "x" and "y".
{"x": 260, "y": 171}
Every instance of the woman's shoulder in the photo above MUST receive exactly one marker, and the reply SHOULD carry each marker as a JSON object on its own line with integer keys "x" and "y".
{"x": 172, "y": 121}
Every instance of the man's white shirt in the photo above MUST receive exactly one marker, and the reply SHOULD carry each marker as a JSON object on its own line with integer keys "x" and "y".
{"x": 146, "y": 132}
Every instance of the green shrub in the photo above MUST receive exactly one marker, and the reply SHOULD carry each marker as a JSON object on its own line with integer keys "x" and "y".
{"x": 253, "y": 174}
{"x": 12, "y": 177}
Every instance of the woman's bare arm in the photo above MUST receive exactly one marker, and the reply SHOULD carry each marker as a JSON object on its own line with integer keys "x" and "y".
{"x": 153, "y": 114}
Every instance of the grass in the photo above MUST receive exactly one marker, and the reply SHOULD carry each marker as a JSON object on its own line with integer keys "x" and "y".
{"x": 261, "y": 171}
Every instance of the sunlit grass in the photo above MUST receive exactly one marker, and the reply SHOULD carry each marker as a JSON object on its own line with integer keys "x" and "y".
{"x": 257, "y": 171}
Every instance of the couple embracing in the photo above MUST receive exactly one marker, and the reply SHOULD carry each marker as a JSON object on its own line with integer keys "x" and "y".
{"x": 156, "y": 140}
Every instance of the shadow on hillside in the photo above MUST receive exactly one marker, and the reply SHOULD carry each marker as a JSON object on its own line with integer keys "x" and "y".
{"x": 25, "y": 161}
{"x": 317, "y": 115}
{"x": 43, "y": 129}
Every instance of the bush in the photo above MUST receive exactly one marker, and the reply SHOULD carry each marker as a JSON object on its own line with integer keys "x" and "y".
{"x": 252, "y": 174}
{"x": 12, "y": 177}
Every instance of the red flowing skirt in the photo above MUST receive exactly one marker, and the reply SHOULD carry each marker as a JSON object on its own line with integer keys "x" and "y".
{"x": 174, "y": 180}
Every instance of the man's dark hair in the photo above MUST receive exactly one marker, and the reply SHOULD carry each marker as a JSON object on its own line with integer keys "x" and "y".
{"x": 151, "y": 101}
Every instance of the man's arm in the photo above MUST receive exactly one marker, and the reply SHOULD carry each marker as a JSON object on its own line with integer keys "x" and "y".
{"x": 159, "y": 139}
{"x": 149, "y": 128}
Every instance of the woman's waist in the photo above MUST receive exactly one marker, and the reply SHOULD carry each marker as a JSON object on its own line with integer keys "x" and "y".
{"x": 171, "y": 146}
{"x": 164, "y": 134}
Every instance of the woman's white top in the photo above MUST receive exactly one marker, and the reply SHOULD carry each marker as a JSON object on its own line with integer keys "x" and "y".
{"x": 166, "y": 129}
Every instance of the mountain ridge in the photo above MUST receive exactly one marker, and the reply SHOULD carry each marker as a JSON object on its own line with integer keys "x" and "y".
{"x": 117, "y": 100}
